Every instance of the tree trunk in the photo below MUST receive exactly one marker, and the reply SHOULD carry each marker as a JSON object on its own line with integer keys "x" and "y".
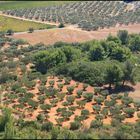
{"x": 109, "y": 86}
{"x": 123, "y": 82}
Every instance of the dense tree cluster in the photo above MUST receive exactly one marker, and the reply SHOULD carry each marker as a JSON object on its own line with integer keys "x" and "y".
{"x": 96, "y": 62}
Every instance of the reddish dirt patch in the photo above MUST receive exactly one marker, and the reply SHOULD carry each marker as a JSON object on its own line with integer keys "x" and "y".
{"x": 53, "y": 113}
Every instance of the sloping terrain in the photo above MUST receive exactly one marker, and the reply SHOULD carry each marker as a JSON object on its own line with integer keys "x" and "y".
{"x": 88, "y": 15}
{"x": 72, "y": 34}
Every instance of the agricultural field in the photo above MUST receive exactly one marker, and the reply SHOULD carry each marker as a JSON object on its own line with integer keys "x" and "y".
{"x": 6, "y": 5}
{"x": 69, "y": 70}
{"x": 72, "y": 34}
{"x": 52, "y": 88}
{"x": 17, "y": 25}
{"x": 88, "y": 15}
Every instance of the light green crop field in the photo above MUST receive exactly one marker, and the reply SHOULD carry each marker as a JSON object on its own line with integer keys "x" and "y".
{"x": 20, "y": 25}
{"x": 5, "y": 5}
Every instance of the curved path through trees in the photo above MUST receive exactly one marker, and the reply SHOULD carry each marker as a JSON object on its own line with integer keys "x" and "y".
{"x": 70, "y": 33}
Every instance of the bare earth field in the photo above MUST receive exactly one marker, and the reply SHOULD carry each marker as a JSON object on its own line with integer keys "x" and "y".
{"x": 73, "y": 34}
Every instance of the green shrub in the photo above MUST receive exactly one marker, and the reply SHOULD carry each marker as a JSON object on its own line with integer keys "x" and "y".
{"x": 96, "y": 124}
{"x": 75, "y": 125}
{"x": 88, "y": 96}
{"x": 47, "y": 126}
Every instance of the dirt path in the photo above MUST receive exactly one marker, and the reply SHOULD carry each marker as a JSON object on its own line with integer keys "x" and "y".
{"x": 71, "y": 33}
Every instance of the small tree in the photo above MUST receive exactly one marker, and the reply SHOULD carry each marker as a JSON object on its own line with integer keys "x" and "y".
{"x": 40, "y": 117}
{"x": 79, "y": 93}
{"x": 10, "y": 32}
{"x": 127, "y": 101}
{"x": 51, "y": 92}
{"x": 75, "y": 125}
{"x": 109, "y": 103}
{"x": 99, "y": 117}
{"x": 70, "y": 99}
{"x": 88, "y": 96}
{"x": 47, "y": 126}
{"x": 115, "y": 122}
{"x": 61, "y": 96}
{"x": 66, "y": 114}
{"x": 85, "y": 113}
{"x": 85, "y": 86}
{"x": 96, "y": 108}
{"x": 97, "y": 90}
{"x": 54, "y": 102}
{"x": 60, "y": 86}
{"x": 41, "y": 99}
{"x": 61, "y": 25}
{"x": 59, "y": 121}
{"x": 99, "y": 100}
{"x": 72, "y": 108}
{"x": 96, "y": 124}
{"x": 31, "y": 30}
{"x": 138, "y": 114}
{"x": 123, "y": 36}
{"x": 81, "y": 103}
{"x": 45, "y": 107}
{"x": 137, "y": 106}
{"x": 129, "y": 112}
{"x": 104, "y": 93}
{"x": 119, "y": 117}
{"x": 104, "y": 112}
{"x": 67, "y": 80}
{"x": 70, "y": 89}
{"x": 33, "y": 104}
{"x": 79, "y": 118}
{"x": 51, "y": 83}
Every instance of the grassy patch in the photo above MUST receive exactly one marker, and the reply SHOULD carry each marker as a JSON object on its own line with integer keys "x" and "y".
{"x": 20, "y": 25}
{"x": 28, "y": 4}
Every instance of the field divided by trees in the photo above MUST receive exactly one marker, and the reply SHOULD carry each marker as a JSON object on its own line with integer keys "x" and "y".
{"x": 89, "y": 15}
{"x": 17, "y": 25}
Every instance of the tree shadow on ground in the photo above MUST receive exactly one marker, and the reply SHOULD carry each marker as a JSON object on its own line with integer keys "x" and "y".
{"x": 120, "y": 89}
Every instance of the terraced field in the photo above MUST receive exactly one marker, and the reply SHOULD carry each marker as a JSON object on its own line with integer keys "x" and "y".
{"x": 89, "y": 15}
{"x": 6, "y": 5}
{"x": 17, "y": 25}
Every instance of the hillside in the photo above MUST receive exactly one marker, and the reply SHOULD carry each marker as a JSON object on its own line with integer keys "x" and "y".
{"x": 69, "y": 70}
{"x": 89, "y": 15}
{"x": 70, "y": 88}
{"x": 6, "y": 5}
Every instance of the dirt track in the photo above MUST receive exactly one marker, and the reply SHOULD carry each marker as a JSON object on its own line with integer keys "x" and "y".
{"x": 72, "y": 34}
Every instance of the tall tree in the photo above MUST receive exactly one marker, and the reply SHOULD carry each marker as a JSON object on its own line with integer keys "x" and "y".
{"x": 114, "y": 74}
{"x": 129, "y": 73}
{"x": 123, "y": 36}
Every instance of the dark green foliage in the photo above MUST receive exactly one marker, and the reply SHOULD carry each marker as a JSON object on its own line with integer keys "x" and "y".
{"x": 75, "y": 125}
{"x": 123, "y": 36}
{"x": 47, "y": 126}
{"x": 88, "y": 96}
{"x": 10, "y": 32}
{"x": 96, "y": 52}
{"x": 85, "y": 112}
{"x": 113, "y": 74}
{"x": 61, "y": 25}
{"x": 31, "y": 30}
{"x": 96, "y": 124}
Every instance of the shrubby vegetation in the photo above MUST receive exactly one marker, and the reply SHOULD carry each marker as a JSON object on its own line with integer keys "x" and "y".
{"x": 95, "y": 62}
{"x": 69, "y": 61}
{"x": 20, "y": 129}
